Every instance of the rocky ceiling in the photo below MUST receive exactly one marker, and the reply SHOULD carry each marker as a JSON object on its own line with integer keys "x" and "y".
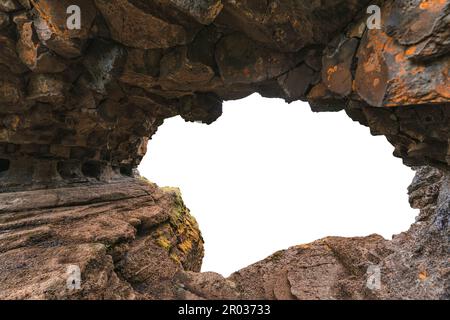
{"x": 82, "y": 103}
{"x": 77, "y": 107}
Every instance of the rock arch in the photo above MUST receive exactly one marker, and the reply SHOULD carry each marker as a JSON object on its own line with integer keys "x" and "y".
{"x": 79, "y": 105}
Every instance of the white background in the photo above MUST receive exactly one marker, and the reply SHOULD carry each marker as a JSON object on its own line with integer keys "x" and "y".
{"x": 268, "y": 175}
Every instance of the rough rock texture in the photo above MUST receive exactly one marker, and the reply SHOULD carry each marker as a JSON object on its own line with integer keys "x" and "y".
{"x": 132, "y": 240}
{"x": 78, "y": 106}
{"x": 128, "y": 238}
{"x": 81, "y": 104}
{"x": 414, "y": 265}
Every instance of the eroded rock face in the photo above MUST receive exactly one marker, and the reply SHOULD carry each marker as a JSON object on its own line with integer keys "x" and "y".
{"x": 78, "y": 106}
{"x": 129, "y": 239}
{"x": 414, "y": 265}
{"x": 133, "y": 240}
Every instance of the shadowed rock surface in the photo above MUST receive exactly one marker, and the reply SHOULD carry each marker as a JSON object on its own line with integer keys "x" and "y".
{"x": 78, "y": 106}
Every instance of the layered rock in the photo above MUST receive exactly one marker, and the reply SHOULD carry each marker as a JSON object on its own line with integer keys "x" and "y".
{"x": 133, "y": 240}
{"x": 128, "y": 239}
{"x": 78, "y": 106}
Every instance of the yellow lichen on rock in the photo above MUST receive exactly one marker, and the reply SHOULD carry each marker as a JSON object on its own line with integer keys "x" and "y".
{"x": 180, "y": 234}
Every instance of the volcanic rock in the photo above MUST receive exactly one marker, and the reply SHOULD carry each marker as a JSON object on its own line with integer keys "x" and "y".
{"x": 78, "y": 107}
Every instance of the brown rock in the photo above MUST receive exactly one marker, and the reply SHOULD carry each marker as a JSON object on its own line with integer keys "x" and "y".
{"x": 46, "y": 88}
{"x": 242, "y": 60}
{"x": 9, "y": 57}
{"x": 51, "y": 26}
{"x": 4, "y": 20}
{"x": 9, "y": 5}
{"x": 289, "y": 26}
{"x": 141, "y": 235}
{"x": 297, "y": 82}
{"x": 112, "y": 97}
{"x": 77, "y": 108}
{"x": 11, "y": 91}
{"x": 32, "y": 53}
{"x": 337, "y": 67}
{"x": 204, "y": 11}
{"x": 179, "y": 73}
{"x": 423, "y": 27}
{"x": 383, "y": 77}
{"x": 136, "y": 28}
{"x": 142, "y": 68}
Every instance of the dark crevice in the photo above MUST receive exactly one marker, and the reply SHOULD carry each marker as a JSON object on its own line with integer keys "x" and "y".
{"x": 4, "y": 165}
{"x": 92, "y": 169}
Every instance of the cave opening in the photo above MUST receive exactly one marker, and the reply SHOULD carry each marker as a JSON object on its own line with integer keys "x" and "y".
{"x": 4, "y": 165}
{"x": 68, "y": 169}
{"x": 92, "y": 169}
{"x": 269, "y": 175}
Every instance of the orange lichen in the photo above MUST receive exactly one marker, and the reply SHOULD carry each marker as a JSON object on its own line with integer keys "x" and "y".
{"x": 399, "y": 57}
{"x": 47, "y": 18}
{"x": 423, "y": 275}
{"x": 424, "y": 5}
{"x": 411, "y": 51}
{"x": 432, "y": 5}
{"x": 331, "y": 71}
